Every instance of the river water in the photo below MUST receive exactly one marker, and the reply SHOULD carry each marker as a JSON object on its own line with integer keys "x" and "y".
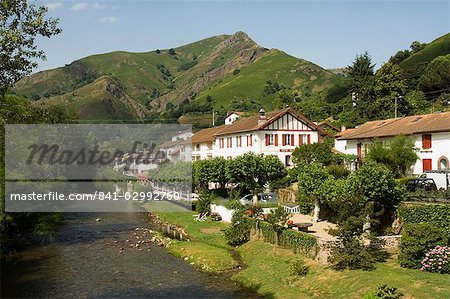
{"x": 92, "y": 259}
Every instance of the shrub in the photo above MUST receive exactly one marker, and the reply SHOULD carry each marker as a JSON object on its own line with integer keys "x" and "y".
{"x": 238, "y": 232}
{"x": 437, "y": 260}
{"x": 203, "y": 205}
{"x": 351, "y": 253}
{"x": 158, "y": 51}
{"x": 435, "y": 214}
{"x": 298, "y": 267}
{"x": 236, "y": 71}
{"x": 417, "y": 239}
{"x": 172, "y": 51}
{"x": 338, "y": 171}
{"x": 384, "y": 292}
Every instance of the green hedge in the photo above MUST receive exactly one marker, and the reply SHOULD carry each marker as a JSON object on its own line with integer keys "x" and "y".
{"x": 435, "y": 214}
{"x": 291, "y": 239}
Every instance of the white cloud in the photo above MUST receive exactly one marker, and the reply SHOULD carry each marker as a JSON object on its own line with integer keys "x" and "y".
{"x": 79, "y": 6}
{"x": 111, "y": 19}
{"x": 53, "y": 5}
{"x": 97, "y": 5}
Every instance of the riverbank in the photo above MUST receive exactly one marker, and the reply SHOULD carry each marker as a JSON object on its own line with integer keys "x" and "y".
{"x": 265, "y": 268}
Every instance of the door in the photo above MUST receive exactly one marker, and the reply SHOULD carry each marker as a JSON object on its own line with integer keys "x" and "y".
{"x": 426, "y": 165}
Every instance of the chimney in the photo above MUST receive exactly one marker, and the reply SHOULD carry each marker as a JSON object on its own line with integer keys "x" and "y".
{"x": 343, "y": 128}
{"x": 262, "y": 116}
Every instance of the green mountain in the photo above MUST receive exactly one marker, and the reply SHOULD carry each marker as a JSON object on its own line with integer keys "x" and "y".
{"x": 415, "y": 64}
{"x": 124, "y": 85}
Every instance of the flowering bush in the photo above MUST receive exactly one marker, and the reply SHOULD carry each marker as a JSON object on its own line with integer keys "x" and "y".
{"x": 216, "y": 217}
{"x": 437, "y": 260}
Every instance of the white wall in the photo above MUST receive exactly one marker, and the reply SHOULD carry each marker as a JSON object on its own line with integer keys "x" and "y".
{"x": 440, "y": 147}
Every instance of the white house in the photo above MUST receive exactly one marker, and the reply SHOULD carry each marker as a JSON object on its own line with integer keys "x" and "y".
{"x": 274, "y": 133}
{"x": 431, "y": 134}
{"x": 232, "y": 116}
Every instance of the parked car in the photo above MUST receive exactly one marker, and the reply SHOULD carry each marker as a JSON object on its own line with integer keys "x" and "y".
{"x": 421, "y": 184}
{"x": 262, "y": 197}
{"x": 440, "y": 178}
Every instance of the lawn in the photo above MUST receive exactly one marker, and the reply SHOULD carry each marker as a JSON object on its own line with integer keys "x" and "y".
{"x": 207, "y": 247}
{"x": 267, "y": 271}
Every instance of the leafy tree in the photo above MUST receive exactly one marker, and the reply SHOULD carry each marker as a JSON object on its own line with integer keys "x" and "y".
{"x": 200, "y": 174}
{"x": 417, "y": 46}
{"x": 21, "y": 23}
{"x": 172, "y": 51}
{"x": 320, "y": 152}
{"x": 390, "y": 85}
{"x": 194, "y": 57}
{"x": 352, "y": 254}
{"x": 252, "y": 172}
{"x": 158, "y": 51}
{"x": 436, "y": 76}
{"x": 310, "y": 180}
{"x": 376, "y": 190}
{"x": 278, "y": 218}
{"x": 218, "y": 171}
{"x": 417, "y": 102}
{"x": 400, "y": 56}
{"x": 399, "y": 154}
{"x": 283, "y": 99}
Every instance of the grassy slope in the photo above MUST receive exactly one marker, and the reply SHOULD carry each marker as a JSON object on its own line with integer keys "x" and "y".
{"x": 207, "y": 248}
{"x": 276, "y": 66}
{"x": 268, "y": 272}
{"x": 419, "y": 60}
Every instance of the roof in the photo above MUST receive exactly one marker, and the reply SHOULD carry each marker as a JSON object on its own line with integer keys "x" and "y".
{"x": 329, "y": 125}
{"x": 418, "y": 124}
{"x": 206, "y": 135}
{"x": 169, "y": 144}
{"x": 251, "y": 123}
{"x": 235, "y": 112}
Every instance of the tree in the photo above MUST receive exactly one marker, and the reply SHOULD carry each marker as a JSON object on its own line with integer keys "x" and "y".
{"x": 172, "y": 51}
{"x": 310, "y": 180}
{"x": 252, "y": 172}
{"x": 217, "y": 171}
{"x": 417, "y": 46}
{"x": 361, "y": 76}
{"x": 436, "y": 76}
{"x": 283, "y": 99}
{"x": 21, "y": 23}
{"x": 390, "y": 86}
{"x": 169, "y": 105}
{"x": 158, "y": 51}
{"x": 398, "y": 155}
{"x": 319, "y": 152}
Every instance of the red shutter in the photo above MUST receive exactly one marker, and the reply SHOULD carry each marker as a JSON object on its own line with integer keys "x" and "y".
{"x": 300, "y": 140}
{"x": 309, "y": 139}
{"x": 276, "y": 139}
{"x": 267, "y": 139}
{"x": 292, "y": 139}
{"x": 359, "y": 150}
{"x": 283, "y": 140}
{"x": 251, "y": 139}
{"x": 427, "y": 164}
{"x": 426, "y": 141}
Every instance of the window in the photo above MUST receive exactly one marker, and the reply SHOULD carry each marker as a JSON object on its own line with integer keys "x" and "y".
{"x": 304, "y": 139}
{"x": 221, "y": 143}
{"x": 229, "y": 142}
{"x": 426, "y": 141}
{"x": 272, "y": 139}
{"x": 426, "y": 165}
{"x": 288, "y": 160}
{"x": 443, "y": 163}
{"x": 197, "y": 147}
{"x": 239, "y": 141}
{"x": 288, "y": 139}
{"x": 249, "y": 140}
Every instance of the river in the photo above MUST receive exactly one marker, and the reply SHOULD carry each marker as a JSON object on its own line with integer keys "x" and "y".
{"x": 92, "y": 257}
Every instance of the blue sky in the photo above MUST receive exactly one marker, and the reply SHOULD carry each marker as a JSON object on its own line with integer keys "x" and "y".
{"x": 329, "y": 33}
